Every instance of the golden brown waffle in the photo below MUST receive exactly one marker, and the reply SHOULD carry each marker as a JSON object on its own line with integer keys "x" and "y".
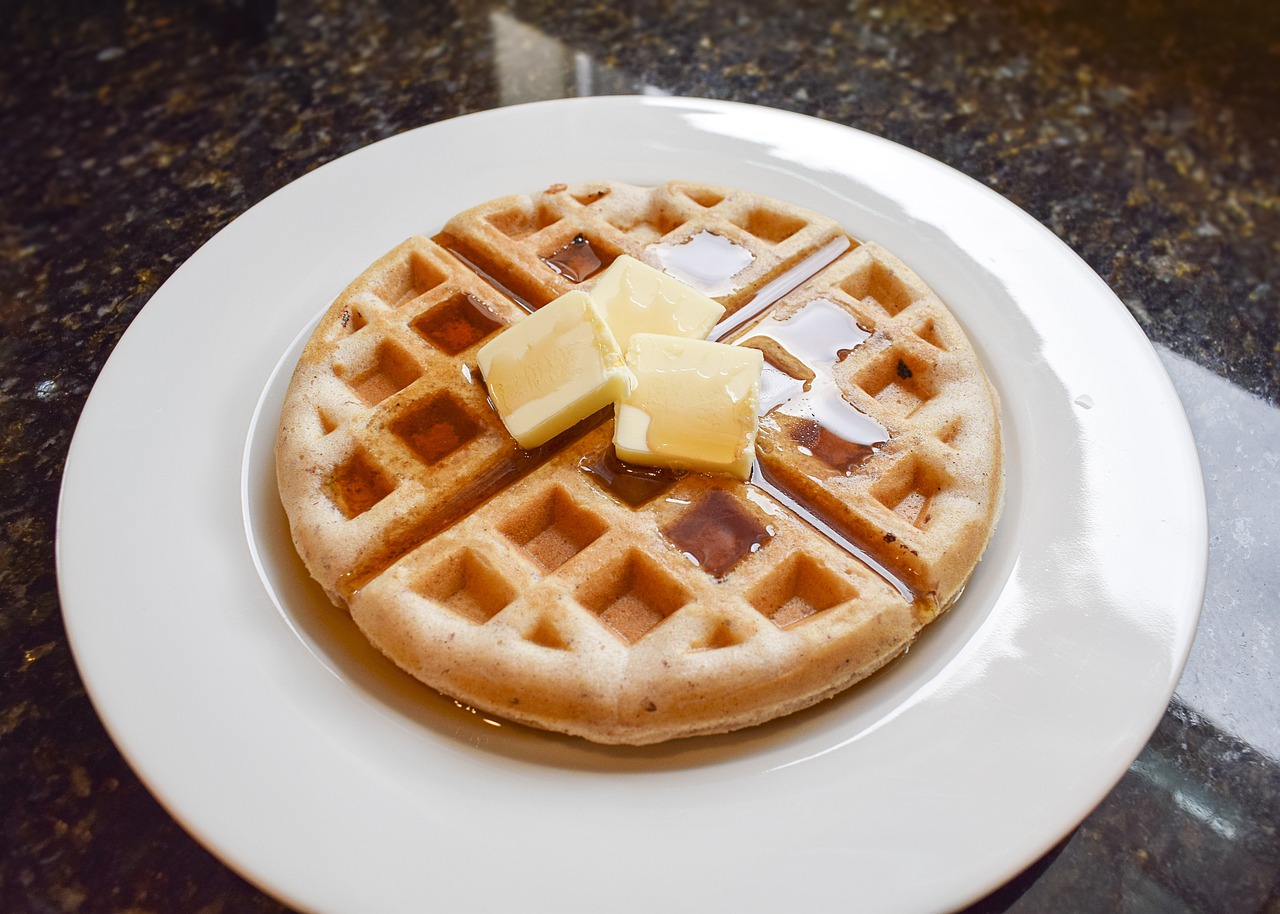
{"x": 516, "y": 237}
{"x": 561, "y": 588}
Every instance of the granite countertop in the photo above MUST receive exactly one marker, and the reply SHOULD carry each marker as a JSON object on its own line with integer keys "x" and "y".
{"x": 1146, "y": 139}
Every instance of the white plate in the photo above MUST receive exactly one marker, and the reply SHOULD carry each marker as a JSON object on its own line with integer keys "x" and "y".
{"x": 287, "y": 746}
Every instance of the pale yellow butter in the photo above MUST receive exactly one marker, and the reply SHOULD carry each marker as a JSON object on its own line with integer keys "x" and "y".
{"x": 636, "y": 298}
{"x": 554, "y": 368}
{"x": 693, "y": 405}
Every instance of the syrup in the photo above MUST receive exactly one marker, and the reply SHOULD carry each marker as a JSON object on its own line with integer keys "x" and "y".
{"x": 458, "y": 324}
{"x": 761, "y": 479}
{"x": 802, "y": 394}
{"x": 840, "y": 421}
{"x": 436, "y": 429}
{"x": 576, "y": 261}
{"x": 357, "y": 486}
{"x": 706, "y": 261}
{"x": 717, "y": 533}
{"x": 633, "y": 484}
{"x": 513, "y": 464}
{"x": 776, "y": 386}
{"x": 816, "y": 334}
{"x": 448, "y": 244}
{"x": 816, "y": 440}
{"x": 772, "y": 291}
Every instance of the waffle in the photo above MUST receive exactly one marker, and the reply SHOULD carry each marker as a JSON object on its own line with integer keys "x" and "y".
{"x": 562, "y": 588}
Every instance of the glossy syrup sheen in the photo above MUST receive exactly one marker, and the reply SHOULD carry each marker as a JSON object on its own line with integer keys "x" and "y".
{"x": 718, "y": 532}
{"x": 801, "y": 393}
{"x": 458, "y": 324}
{"x": 706, "y": 261}
{"x": 801, "y": 399}
{"x": 633, "y": 484}
{"x": 798, "y": 391}
{"x": 576, "y": 261}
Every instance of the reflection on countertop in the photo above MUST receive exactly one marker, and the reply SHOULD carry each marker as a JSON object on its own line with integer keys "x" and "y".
{"x": 1144, "y": 138}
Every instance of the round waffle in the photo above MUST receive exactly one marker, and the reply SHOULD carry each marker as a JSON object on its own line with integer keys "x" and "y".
{"x": 562, "y": 588}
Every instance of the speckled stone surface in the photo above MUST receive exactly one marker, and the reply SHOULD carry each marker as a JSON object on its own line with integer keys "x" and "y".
{"x": 1145, "y": 137}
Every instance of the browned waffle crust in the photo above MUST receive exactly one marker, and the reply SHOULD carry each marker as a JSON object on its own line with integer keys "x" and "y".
{"x": 559, "y": 588}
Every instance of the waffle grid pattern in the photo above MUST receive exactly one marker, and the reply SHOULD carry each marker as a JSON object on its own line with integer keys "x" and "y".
{"x": 921, "y": 503}
{"x": 627, "y": 608}
{"x": 514, "y": 237}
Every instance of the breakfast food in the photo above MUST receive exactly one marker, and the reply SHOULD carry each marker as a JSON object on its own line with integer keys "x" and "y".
{"x": 549, "y": 371}
{"x": 693, "y": 405}
{"x": 563, "y": 587}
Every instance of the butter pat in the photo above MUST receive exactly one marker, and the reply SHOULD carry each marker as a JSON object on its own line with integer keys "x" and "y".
{"x": 636, "y": 298}
{"x": 554, "y": 368}
{"x": 693, "y": 406}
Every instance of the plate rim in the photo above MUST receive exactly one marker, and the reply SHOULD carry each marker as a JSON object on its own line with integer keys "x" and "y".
{"x": 66, "y": 544}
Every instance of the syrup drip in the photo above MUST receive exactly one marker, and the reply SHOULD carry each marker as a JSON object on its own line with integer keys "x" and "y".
{"x": 706, "y": 261}
{"x": 776, "y": 386}
{"x": 782, "y": 285}
{"x": 761, "y": 479}
{"x": 717, "y": 533}
{"x": 800, "y": 398}
{"x": 629, "y": 482}
{"x": 812, "y": 410}
{"x": 443, "y": 241}
{"x": 817, "y": 441}
{"x": 576, "y": 261}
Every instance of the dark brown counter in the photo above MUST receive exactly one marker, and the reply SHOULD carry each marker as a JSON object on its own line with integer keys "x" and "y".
{"x": 1144, "y": 137}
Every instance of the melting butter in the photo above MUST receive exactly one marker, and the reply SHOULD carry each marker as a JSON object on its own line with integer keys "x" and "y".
{"x": 636, "y": 298}
{"x": 693, "y": 405}
{"x": 553, "y": 369}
